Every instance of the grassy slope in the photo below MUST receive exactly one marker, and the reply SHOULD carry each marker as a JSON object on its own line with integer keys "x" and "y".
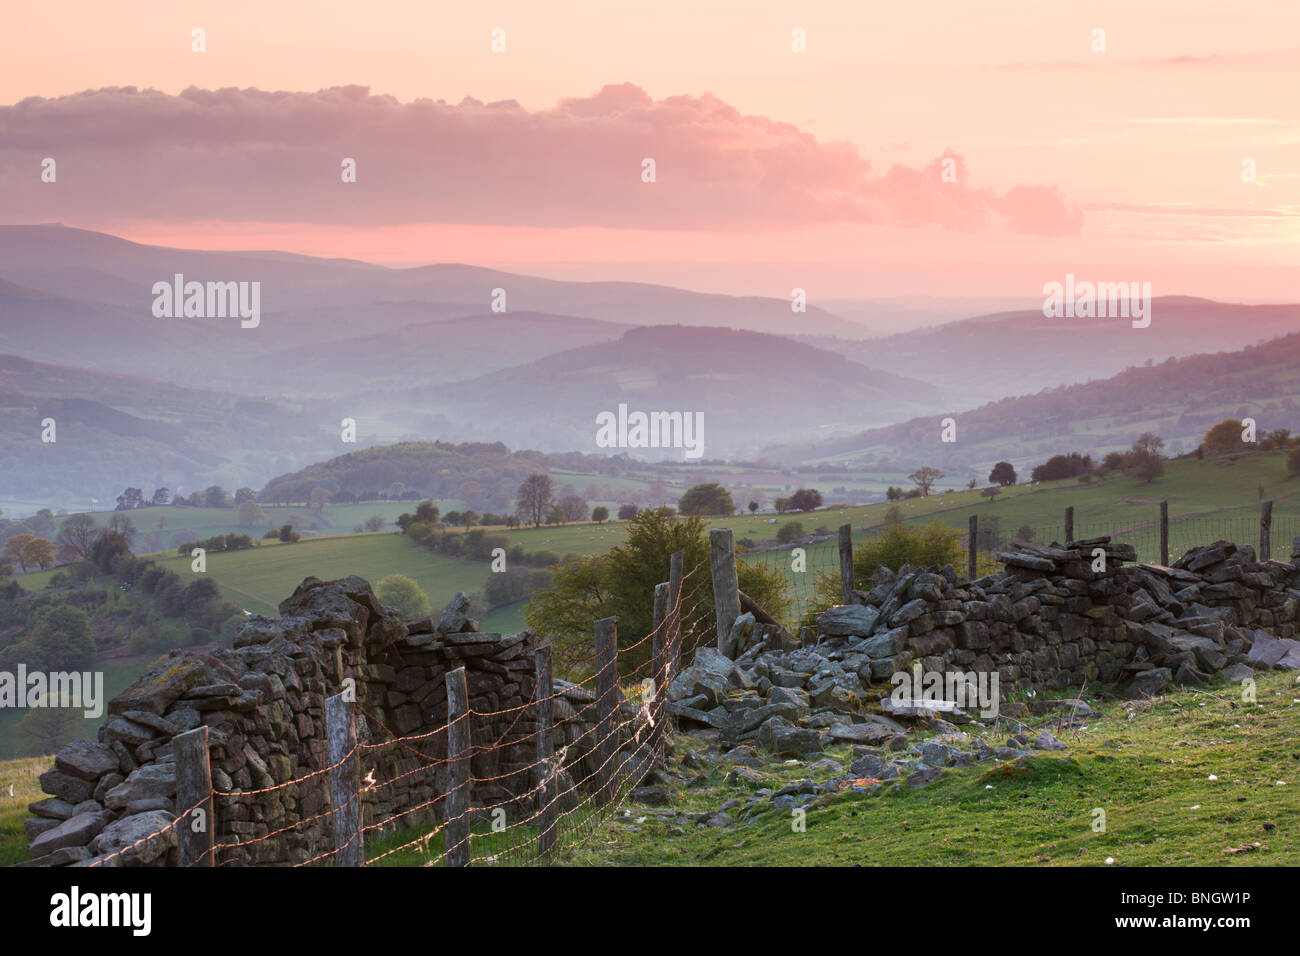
{"x": 1147, "y": 768}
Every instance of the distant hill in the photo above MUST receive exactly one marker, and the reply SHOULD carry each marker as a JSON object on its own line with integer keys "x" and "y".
{"x": 748, "y": 385}
{"x": 1178, "y": 399}
{"x": 95, "y": 289}
{"x": 118, "y": 430}
{"x": 457, "y": 348}
{"x": 1012, "y": 353}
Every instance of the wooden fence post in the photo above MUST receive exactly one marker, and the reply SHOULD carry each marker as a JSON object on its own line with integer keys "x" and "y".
{"x": 1164, "y": 533}
{"x": 1266, "y": 530}
{"x": 1069, "y": 524}
{"x": 194, "y": 832}
{"x": 456, "y": 814}
{"x": 846, "y": 562}
{"x": 659, "y": 668}
{"x": 345, "y": 780}
{"x": 726, "y": 590}
{"x": 546, "y": 773}
{"x": 972, "y": 546}
{"x": 606, "y": 747}
{"x": 674, "y": 642}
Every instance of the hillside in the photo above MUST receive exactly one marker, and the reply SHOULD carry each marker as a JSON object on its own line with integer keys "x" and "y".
{"x": 137, "y": 431}
{"x": 991, "y": 356}
{"x": 1178, "y": 399}
{"x": 746, "y": 384}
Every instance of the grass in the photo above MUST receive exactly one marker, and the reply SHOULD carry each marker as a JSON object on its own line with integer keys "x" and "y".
{"x": 1146, "y": 767}
{"x": 21, "y": 776}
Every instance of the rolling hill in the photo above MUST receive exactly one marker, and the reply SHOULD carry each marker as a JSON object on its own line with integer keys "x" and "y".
{"x": 1178, "y": 399}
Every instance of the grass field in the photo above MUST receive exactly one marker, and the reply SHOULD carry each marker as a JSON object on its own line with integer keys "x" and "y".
{"x": 1148, "y": 767}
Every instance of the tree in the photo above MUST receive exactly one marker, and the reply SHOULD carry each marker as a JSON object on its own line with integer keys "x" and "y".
{"x": 806, "y": 499}
{"x": 782, "y": 505}
{"x": 991, "y": 493}
{"x": 215, "y": 497}
{"x": 574, "y": 508}
{"x": 404, "y": 594}
{"x": 1144, "y": 459}
{"x": 893, "y": 516}
{"x": 61, "y": 634}
{"x": 374, "y": 522}
{"x": 971, "y": 484}
{"x": 44, "y": 730}
{"x": 160, "y": 496}
{"x": 38, "y": 551}
{"x": 14, "y": 549}
{"x": 600, "y": 514}
{"x": 534, "y": 498}
{"x": 627, "y": 512}
{"x": 319, "y": 499}
{"x": 129, "y": 499}
{"x": 470, "y": 519}
{"x": 925, "y": 478}
{"x": 250, "y": 513}
{"x": 1293, "y": 462}
{"x": 244, "y": 494}
{"x": 789, "y": 532}
{"x": 1223, "y": 437}
{"x": 1003, "y": 474}
{"x": 893, "y": 493}
{"x": 76, "y": 536}
{"x": 123, "y": 525}
{"x": 621, "y": 583}
{"x": 555, "y": 515}
{"x": 288, "y": 535}
{"x": 1062, "y": 466}
{"x": 706, "y": 499}
{"x": 753, "y": 507}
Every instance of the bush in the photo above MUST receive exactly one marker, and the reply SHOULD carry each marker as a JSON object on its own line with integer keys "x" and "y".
{"x": 404, "y": 594}
{"x": 1293, "y": 463}
{"x": 789, "y": 532}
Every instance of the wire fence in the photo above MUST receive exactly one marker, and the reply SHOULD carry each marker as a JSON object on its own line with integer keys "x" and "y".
{"x": 593, "y": 740}
{"x": 812, "y": 566}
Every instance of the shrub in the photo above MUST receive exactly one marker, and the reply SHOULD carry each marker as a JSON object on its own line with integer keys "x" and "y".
{"x": 404, "y": 594}
{"x": 789, "y": 532}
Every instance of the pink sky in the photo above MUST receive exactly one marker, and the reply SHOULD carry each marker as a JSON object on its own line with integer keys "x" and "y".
{"x": 775, "y": 169}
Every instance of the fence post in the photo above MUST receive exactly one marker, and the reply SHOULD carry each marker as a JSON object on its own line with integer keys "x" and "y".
{"x": 972, "y": 546}
{"x": 456, "y": 819}
{"x": 345, "y": 779}
{"x": 1266, "y": 530}
{"x": 846, "y": 562}
{"x": 726, "y": 590}
{"x": 546, "y": 774}
{"x": 658, "y": 668}
{"x": 194, "y": 797}
{"x": 1069, "y": 524}
{"x": 1164, "y": 533}
{"x": 674, "y": 643}
{"x": 606, "y": 685}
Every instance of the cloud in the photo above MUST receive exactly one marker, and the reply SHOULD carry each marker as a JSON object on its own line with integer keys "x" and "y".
{"x": 231, "y": 154}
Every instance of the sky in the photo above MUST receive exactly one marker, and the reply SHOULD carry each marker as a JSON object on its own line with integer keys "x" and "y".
{"x": 1166, "y": 150}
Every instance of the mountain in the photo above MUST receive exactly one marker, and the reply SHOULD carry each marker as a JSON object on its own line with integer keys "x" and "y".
{"x": 989, "y": 357}
{"x": 112, "y": 431}
{"x": 96, "y": 290}
{"x": 748, "y": 386}
{"x": 463, "y": 347}
{"x": 1179, "y": 399}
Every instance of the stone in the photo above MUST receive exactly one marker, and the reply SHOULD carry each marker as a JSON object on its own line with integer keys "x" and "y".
{"x": 1149, "y": 683}
{"x": 857, "y": 620}
{"x": 51, "y": 808}
{"x": 140, "y": 838}
{"x": 75, "y": 831}
{"x": 654, "y": 796}
{"x": 65, "y": 787}
{"x": 1045, "y": 741}
{"x": 86, "y": 760}
{"x": 454, "y": 618}
{"x": 923, "y": 776}
{"x": 150, "y": 780}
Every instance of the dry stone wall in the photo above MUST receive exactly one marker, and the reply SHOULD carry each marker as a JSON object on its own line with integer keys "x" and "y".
{"x": 1054, "y": 617}
{"x": 112, "y": 801}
